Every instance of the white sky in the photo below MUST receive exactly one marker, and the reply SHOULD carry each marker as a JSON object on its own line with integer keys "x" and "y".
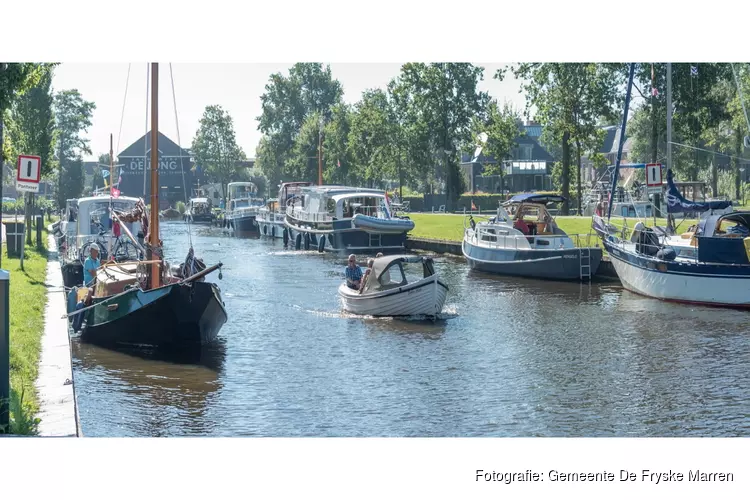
{"x": 237, "y": 87}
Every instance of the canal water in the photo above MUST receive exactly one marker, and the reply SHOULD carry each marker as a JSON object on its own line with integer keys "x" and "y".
{"x": 510, "y": 357}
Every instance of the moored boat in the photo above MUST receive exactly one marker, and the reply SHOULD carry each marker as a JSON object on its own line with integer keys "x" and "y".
{"x": 387, "y": 291}
{"x": 344, "y": 219}
{"x": 242, "y": 209}
{"x": 524, "y": 240}
{"x": 270, "y": 219}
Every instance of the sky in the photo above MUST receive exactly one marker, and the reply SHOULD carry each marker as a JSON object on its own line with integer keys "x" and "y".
{"x": 236, "y": 87}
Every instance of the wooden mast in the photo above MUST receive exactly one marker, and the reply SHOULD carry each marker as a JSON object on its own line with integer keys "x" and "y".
{"x": 111, "y": 186}
{"x": 154, "y": 222}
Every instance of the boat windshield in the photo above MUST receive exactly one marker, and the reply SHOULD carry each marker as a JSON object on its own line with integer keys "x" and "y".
{"x": 366, "y": 205}
{"x": 99, "y": 215}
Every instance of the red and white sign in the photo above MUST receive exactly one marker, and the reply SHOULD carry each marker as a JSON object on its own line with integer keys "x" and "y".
{"x": 29, "y": 173}
{"x": 653, "y": 174}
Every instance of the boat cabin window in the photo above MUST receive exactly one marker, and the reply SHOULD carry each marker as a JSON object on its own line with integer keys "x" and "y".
{"x": 489, "y": 234}
{"x": 331, "y": 206}
{"x": 393, "y": 276}
{"x": 99, "y": 214}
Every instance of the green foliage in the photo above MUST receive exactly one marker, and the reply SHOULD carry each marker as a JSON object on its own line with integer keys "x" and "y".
{"x": 502, "y": 127}
{"x": 72, "y": 118}
{"x": 181, "y": 207}
{"x": 33, "y": 114}
{"x": 337, "y": 158}
{"x": 215, "y": 146}
{"x": 570, "y": 99}
{"x": 370, "y": 139}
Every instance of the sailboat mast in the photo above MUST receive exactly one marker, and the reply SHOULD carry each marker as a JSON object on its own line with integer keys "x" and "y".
{"x": 111, "y": 186}
{"x": 669, "y": 115}
{"x": 154, "y": 222}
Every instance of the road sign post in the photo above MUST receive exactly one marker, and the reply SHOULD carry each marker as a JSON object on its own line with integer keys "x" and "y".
{"x": 654, "y": 185}
{"x": 28, "y": 173}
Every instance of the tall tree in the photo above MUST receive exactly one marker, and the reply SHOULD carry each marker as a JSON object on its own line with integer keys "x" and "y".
{"x": 287, "y": 104}
{"x": 501, "y": 129}
{"x": 371, "y": 137}
{"x": 215, "y": 146}
{"x": 570, "y": 98}
{"x": 444, "y": 97}
{"x": 72, "y": 118}
{"x": 337, "y": 160}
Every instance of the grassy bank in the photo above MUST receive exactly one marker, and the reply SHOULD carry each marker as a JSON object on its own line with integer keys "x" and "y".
{"x": 28, "y": 297}
{"x": 451, "y": 227}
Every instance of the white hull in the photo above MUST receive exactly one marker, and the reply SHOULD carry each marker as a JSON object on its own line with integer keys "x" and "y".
{"x": 421, "y": 298}
{"x": 271, "y": 229}
{"x": 683, "y": 287}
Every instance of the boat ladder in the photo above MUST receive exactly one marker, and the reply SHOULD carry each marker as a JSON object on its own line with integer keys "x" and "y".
{"x": 585, "y": 263}
{"x": 375, "y": 240}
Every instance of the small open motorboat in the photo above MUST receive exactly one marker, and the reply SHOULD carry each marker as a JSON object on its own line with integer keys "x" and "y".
{"x": 388, "y": 292}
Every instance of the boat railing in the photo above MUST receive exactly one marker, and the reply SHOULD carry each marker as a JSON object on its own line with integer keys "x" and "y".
{"x": 501, "y": 238}
{"x": 300, "y": 213}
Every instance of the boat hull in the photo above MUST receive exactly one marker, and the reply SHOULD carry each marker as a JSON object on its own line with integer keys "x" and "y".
{"x": 342, "y": 238}
{"x": 270, "y": 229}
{"x": 425, "y": 297}
{"x": 173, "y": 316}
{"x": 557, "y": 264}
{"x": 243, "y": 225}
{"x": 727, "y": 285}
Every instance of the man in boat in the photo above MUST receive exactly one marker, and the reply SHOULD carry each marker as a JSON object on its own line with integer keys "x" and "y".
{"x": 353, "y": 273}
{"x": 91, "y": 264}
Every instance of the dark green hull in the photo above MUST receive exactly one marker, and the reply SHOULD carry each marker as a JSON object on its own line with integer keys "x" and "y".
{"x": 173, "y": 316}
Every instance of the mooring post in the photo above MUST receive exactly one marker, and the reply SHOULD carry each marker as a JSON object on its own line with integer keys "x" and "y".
{"x": 4, "y": 352}
{"x": 39, "y": 224}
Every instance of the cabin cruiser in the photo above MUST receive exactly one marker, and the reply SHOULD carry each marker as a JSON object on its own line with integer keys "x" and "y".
{"x": 199, "y": 210}
{"x": 242, "y": 208}
{"x": 87, "y": 221}
{"x": 270, "y": 219}
{"x": 344, "y": 219}
{"x": 388, "y": 291}
{"x": 524, "y": 240}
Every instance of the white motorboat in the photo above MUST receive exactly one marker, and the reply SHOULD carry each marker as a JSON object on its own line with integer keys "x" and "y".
{"x": 243, "y": 207}
{"x": 388, "y": 291}
{"x": 270, "y": 219}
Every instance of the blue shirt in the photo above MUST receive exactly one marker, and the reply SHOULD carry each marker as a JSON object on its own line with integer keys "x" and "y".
{"x": 353, "y": 274}
{"x": 90, "y": 265}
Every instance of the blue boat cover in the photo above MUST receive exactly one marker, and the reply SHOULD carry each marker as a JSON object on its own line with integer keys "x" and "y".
{"x": 676, "y": 203}
{"x": 536, "y": 198}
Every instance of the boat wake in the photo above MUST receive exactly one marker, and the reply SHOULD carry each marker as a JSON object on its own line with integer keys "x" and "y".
{"x": 446, "y": 314}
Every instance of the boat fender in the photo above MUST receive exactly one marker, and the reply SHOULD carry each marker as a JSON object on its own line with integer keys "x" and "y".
{"x": 285, "y": 236}
{"x": 273, "y": 231}
{"x": 72, "y": 299}
{"x": 321, "y": 244}
{"x": 265, "y": 230}
{"x": 298, "y": 241}
{"x": 330, "y": 239}
{"x": 666, "y": 254}
{"x": 307, "y": 241}
{"x": 78, "y": 318}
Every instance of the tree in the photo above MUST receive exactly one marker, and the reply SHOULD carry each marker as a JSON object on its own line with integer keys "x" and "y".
{"x": 338, "y": 166}
{"x": 72, "y": 118}
{"x": 287, "y": 104}
{"x": 443, "y": 98}
{"x": 373, "y": 127}
{"x": 15, "y": 80}
{"x": 501, "y": 129}
{"x": 570, "y": 98}
{"x": 215, "y": 146}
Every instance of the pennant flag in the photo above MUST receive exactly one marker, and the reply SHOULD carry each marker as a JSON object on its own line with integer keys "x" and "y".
{"x": 105, "y": 182}
{"x": 473, "y": 207}
{"x": 654, "y": 92}
{"x": 386, "y": 206}
{"x": 338, "y": 163}
{"x": 105, "y": 173}
{"x": 693, "y": 70}
{"x": 115, "y": 193}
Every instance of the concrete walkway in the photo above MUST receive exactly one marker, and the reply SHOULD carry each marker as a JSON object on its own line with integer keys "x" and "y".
{"x": 57, "y": 403}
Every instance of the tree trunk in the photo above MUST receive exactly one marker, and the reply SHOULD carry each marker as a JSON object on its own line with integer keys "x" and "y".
{"x": 578, "y": 176}
{"x": 737, "y": 154}
{"x": 566, "y": 172}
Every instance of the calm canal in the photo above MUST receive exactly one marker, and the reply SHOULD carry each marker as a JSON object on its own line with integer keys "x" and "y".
{"x": 513, "y": 357}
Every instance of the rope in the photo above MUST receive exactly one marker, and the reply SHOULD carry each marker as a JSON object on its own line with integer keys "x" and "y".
{"x": 179, "y": 144}
{"x": 708, "y": 151}
{"x": 145, "y": 137}
{"x": 122, "y": 115}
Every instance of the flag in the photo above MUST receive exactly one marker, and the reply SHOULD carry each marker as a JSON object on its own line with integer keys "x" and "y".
{"x": 654, "y": 92}
{"x": 473, "y": 207}
{"x": 115, "y": 192}
{"x": 105, "y": 182}
{"x": 387, "y": 206}
{"x": 105, "y": 173}
{"x": 693, "y": 70}
{"x": 338, "y": 163}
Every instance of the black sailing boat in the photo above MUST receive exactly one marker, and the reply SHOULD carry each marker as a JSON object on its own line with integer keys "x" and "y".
{"x": 144, "y": 302}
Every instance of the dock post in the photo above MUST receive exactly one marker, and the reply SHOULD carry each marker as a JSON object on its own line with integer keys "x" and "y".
{"x": 4, "y": 352}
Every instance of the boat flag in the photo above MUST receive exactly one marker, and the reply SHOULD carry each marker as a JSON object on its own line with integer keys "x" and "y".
{"x": 693, "y": 70}
{"x": 654, "y": 92}
{"x": 473, "y": 207}
{"x": 105, "y": 173}
{"x": 115, "y": 192}
{"x": 338, "y": 163}
{"x": 387, "y": 206}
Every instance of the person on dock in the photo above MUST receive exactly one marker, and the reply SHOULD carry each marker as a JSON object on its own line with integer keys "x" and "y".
{"x": 353, "y": 273}
{"x": 91, "y": 264}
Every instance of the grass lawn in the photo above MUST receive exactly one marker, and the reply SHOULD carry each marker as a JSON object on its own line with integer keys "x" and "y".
{"x": 450, "y": 227}
{"x": 28, "y": 297}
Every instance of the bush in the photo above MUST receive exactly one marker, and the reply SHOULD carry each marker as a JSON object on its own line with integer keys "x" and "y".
{"x": 181, "y": 207}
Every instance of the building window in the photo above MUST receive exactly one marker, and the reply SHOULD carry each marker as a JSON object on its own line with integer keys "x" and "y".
{"x": 524, "y": 151}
